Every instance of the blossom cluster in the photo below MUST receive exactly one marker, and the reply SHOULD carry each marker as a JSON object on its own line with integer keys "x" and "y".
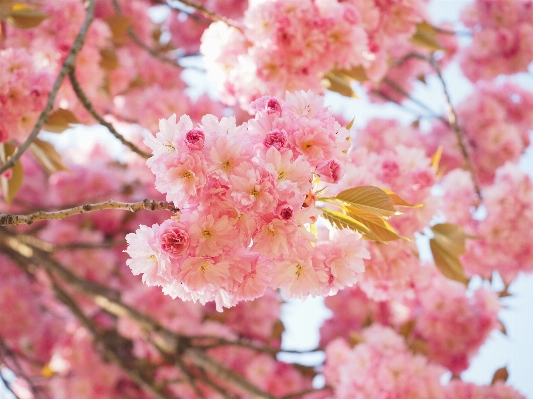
{"x": 24, "y": 88}
{"x": 246, "y": 200}
{"x": 380, "y": 365}
{"x": 502, "y": 38}
{"x": 495, "y": 120}
{"x": 446, "y": 322}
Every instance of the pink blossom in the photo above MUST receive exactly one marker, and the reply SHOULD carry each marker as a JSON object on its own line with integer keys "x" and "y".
{"x": 173, "y": 238}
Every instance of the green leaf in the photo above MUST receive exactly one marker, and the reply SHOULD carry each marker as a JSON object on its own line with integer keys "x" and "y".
{"x": 368, "y": 199}
{"x": 426, "y": 37}
{"x": 342, "y": 221}
{"x": 10, "y": 186}
{"x": 446, "y": 247}
{"x": 47, "y": 156}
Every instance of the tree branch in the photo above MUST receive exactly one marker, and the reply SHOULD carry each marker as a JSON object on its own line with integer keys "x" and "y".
{"x": 207, "y": 13}
{"x": 89, "y": 107}
{"x": 65, "y": 69}
{"x": 133, "y": 36}
{"x": 109, "y": 344}
{"x": 148, "y": 205}
{"x": 200, "y": 359}
{"x": 452, "y": 119}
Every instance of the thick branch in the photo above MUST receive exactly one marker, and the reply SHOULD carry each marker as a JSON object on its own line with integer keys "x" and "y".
{"x": 65, "y": 69}
{"x": 148, "y": 205}
{"x": 89, "y": 107}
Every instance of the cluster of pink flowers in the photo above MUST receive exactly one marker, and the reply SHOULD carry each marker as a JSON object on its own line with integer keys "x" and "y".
{"x": 380, "y": 367}
{"x": 291, "y": 45}
{"x": 458, "y": 389}
{"x": 503, "y": 239}
{"x": 500, "y": 235}
{"x": 446, "y": 320}
{"x": 283, "y": 45}
{"x": 24, "y": 90}
{"x": 245, "y": 198}
{"x": 502, "y": 41}
{"x": 496, "y": 121}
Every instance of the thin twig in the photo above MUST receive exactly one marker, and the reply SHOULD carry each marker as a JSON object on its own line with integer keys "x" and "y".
{"x": 123, "y": 360}
{"x": 7, "y": 385}
{"x": 306, "y": 391}
{"x": 133, "y": 36}
{"x": 65, "y": 69}
{"x": 189, "y": 377}
{"x": 200, "y": 359}
{"x": 453, "y": 123}
{"x": 222, "y": 391}
{"x": 89, "y": 107}
{"x": 148, "y": 205}
{"x": 396, "y": 87}
{"x": 452, "y": 32}
{"x": 219, "y": 341}
{"x": 207, "y": 13}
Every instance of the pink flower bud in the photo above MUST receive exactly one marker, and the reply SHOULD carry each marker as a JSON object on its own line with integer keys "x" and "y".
{"x": 195, "y": 139}
{"x": 174, "y": 241}
{"x": 273, "y": 107}
{"x": 284, "y": 211}
{"x": 331, "y": 171}
{"x": 276, "y": 139}
{"x": 351, "y": 15}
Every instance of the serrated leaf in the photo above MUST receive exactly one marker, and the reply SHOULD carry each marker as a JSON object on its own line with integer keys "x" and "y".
{"x": 450, "y": 237}
{"x": 342, "y": 221}
{"x": 350, "y": 124}
{"x": 277, "y": 331}
{"x": 426, "y": 37}
{"x": 11, "y": 185}
{"x": 419, "y": 346}
{"x": 379, "y": 229}
{"x": 449, "y": 265}
{"x": 47, "y": 371}
{"x": 306, "y": 371}
{"x": 399, "y": 201}
{"x": 407, "y": 328}
{"x": 60, "y": 120}
{"x": 501, "y": 327}
{"x": 435, "y": 159}
{"x": 368, "y": 199}
{"x": 357, "y": 73}
{"x": 47, "y": 156}
{"x": 355, "y": 338}
{"x": 500, "y": 375}
{"x": 25, "y": 17}
{"x": 338, "y": 83}
{"x": 109, "y": 60}
{"x": 119, "y": 25}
